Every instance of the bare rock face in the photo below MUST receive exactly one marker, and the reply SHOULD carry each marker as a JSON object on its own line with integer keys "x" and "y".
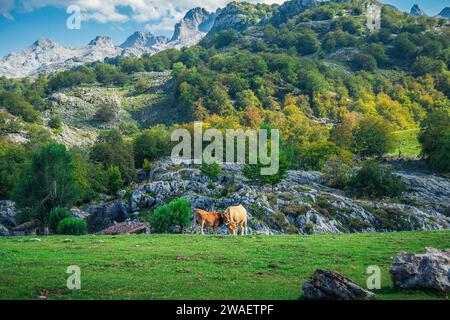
{"x": 417, "y": 11}
{"x": 430, "y": 270}
{"x": 330, "y": 285}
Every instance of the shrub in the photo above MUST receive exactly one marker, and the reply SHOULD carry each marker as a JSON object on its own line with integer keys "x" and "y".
{"x": 151, "y": 144}
{"x": 313, "y": 156}
{"x": 374, "y": 181}
{"x": 212, "y": 170}
{"x": 72, "y": 226}
{"x": 55, "y": 122}
{"x": 115, "y": 180}
{"x": 56, "y": 216}
{"x": 364, "y": 62}
{"x": 435, "y": 140}
{"x": 141, "y": 87}
{"x": 105, "y": 113}
{"x": 176, "y": 213}
{"x": 337, "y": 169}
{"x": 373, "y": 137}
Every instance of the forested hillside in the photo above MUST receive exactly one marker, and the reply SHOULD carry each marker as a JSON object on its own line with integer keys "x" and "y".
{"x": 339, "y": 94}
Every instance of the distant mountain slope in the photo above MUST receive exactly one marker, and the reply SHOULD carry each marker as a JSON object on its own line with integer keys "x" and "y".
{"x": 47, "y": 56}
{"x": 445, "y": 13}
{"x": 417, "y": 11}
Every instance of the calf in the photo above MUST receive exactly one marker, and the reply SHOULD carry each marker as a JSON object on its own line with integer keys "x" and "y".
{"x": 234, "y": 217}
{"x": 210, "y": 219}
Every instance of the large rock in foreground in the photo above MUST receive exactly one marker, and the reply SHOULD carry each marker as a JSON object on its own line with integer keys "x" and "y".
{"x": 430, "y": 270}
{"x": 330, "y": 285}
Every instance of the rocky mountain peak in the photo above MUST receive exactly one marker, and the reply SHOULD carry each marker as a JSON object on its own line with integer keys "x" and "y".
{"x": 143, "y": 39}
{"x": 102, "y": 41}
{"x": 196, "y": 23}
{"x": 417, "y": 11}
{"x": 445, "y": 13}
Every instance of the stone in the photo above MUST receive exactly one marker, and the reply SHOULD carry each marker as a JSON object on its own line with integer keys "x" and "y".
{"x": 330, "y": 285}
{"x": 8, "y": 213}
{"x": 103, "y": 216}
{"x": 127, "y": 227}
{"x": 35, "y": 240}
{"x": 430, "y": 270}
{"x": 4, "y": 231}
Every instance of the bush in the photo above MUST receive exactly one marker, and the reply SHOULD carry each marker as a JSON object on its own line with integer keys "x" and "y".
{"x": 176, "y": 213}
{"x": 435, "y": 140}
{"x": 313, "y": 156}
{"x": 115, "y": 180}
{"x": 56, "y": 216}
{"x": 373, "y": 181}
{"x": 105, "y": 113}
{"x": 337, "y": 169}
{"x": 151, "y": 144}
{"x": 212, "y": 170}
{"x": 72, "y": 226}
{"x": 373, "y": 137}
{"x": 55, "y": 122}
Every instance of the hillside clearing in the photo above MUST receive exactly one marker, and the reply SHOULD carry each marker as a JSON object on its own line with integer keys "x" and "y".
{"x": 200, "y": 267}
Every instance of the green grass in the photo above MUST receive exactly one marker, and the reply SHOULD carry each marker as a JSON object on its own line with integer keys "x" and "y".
{"x": 207, "y": 267}
{"x": 408, "y": 143}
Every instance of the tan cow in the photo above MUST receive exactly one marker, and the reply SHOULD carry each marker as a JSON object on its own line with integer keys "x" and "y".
{"x": 234, "y": 217}
{"x": 208, "y": 219}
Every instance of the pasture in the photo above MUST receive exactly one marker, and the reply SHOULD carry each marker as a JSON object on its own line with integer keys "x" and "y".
{"x": 200, "y": 267}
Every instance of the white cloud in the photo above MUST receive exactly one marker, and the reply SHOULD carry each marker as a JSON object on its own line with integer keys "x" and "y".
{"x": 158, "y": 13}
{"x": 5, "y": 8}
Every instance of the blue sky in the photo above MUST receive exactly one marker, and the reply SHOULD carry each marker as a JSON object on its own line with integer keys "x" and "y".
{"x": 22, "y": 22}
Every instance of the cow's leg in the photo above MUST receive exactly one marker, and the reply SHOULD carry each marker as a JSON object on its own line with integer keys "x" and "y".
{"x": 202, "y": 226}
{"x": 245, "y": 227}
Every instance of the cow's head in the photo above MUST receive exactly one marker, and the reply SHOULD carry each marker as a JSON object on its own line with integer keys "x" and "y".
{"x": 227, "y": 217}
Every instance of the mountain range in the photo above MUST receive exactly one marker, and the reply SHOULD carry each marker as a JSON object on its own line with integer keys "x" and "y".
{"x": 46, "y": 56}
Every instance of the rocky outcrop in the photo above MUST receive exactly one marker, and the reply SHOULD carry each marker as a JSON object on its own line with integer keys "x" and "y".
{"x": 105, "y": 215}
{"x": 193, "y": 27}
{"x": 301, "y": 203}
{"x": 8, "y": 214}
{"x": 330, "y": 285}
{"x": 430, "y": 270}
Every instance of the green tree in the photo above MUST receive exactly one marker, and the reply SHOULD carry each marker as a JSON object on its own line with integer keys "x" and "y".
{"x": 56, "y": 216}
{"x": 72, "y": 226}
{"x": 375, "y": 181}
{"x": 114, "y": 179}
{"x": 151, "y": 144}
{"x": 105, "y": 113}
{"x": 435, "y": 139}
{"x": 212, "y": 170}
{"x": 177, "y": 213}
{"x": 253, "y": 172}
{"x": 111, "y": 150}
{"x": 373, "y": 137}
{"x": 55, "y": 122}
{"x": 308, "y": 43}
{"x": 48, "y": 182}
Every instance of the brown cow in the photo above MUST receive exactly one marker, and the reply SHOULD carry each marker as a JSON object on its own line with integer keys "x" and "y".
{"x": 210, "y": 219}
{"x": 234, "y": 217}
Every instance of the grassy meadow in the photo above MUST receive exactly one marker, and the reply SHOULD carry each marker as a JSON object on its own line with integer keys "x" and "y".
{"x": 200, "y": 267}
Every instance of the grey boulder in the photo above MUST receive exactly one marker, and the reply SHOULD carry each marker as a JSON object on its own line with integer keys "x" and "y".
{"x": 330, "y": 285}
{"x": 430, "y": 270}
